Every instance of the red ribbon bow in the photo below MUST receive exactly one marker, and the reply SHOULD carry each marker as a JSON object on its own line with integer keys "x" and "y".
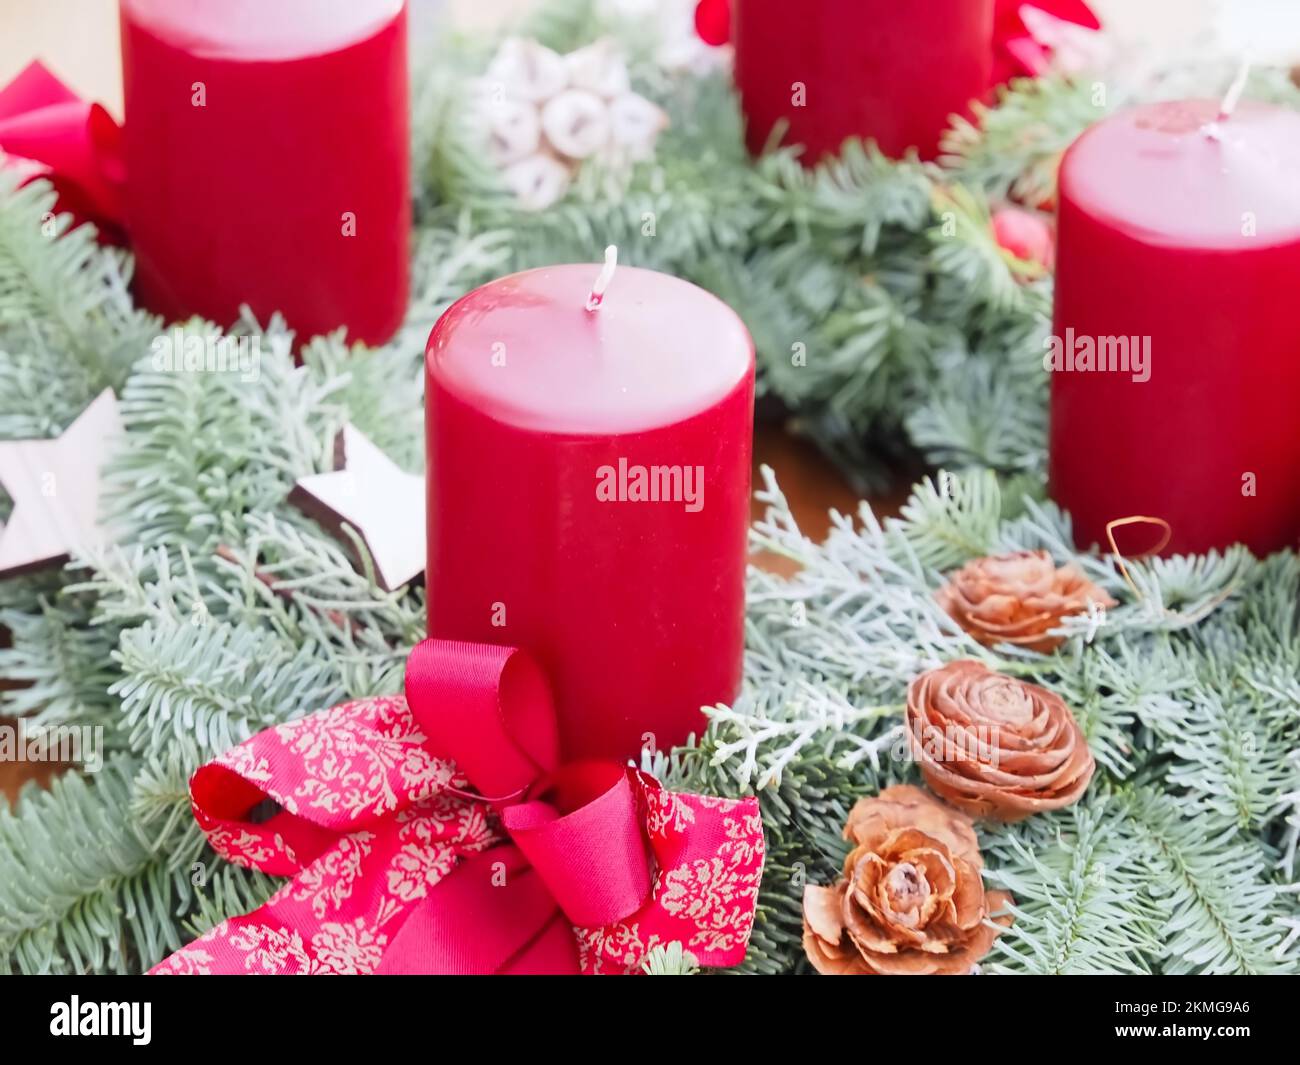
{"x": 1022, "y": 48}
{"x": 396, "y": 870}
{"x": 51, "y": 132}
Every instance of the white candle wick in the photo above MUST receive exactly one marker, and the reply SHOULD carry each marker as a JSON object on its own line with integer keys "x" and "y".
{"x": 1233, "y": 97}
{"x": 1230, "y": 101}
{"x": 597, "y": 295}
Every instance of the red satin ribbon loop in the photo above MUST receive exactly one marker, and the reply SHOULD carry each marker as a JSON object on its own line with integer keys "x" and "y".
{"x": 490, "y": 710}
{"x": 594, "y": 860}
{"x": 487, "y": 707}
{"x": 493, "y": 914}
{"x": 76, "y": 145}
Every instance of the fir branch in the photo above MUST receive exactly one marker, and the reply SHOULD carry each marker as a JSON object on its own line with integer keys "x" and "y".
{"x": 1080, "y": 901}
{"x": 976, "y": 414}
{"x": 191, "y": 457}
{"x": 61, "y": 293}
{"x": 80, "y": 891}
{"x": 880, "y": 304}
{"x": 60, "y": 666}
{"x": 562, "y": 24}
{"x": 950, "y": 520}
{"x": 1176, "y": 703}
{"x": 35, "y": 403}
{"x": 214, "y": 684}
{"x": 1012, "y": 150}
{"x": 307, "y": 589}
{"x": 1225, "y": 754}
{"x": 759, "y": 742}
{"x": 1208, "y": 881}
{"x": 672, "y": 960}
{"x": 848, "y": 203}
{"x": 223, "y": 890}
{"x": 975, "y": 270}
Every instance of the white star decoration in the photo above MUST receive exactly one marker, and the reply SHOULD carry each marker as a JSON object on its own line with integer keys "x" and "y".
{"x": 54, "y": 485}
{"x": 371, "y": 493}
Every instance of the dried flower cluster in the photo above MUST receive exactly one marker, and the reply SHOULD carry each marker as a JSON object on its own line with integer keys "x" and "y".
{"x": 546, "y": 113}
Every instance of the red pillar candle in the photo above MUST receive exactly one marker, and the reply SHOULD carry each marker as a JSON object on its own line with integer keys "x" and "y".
{"x": 268, "y": 160}
{"x": 1180, "y": 234}
{"x": 589, "y": 480}
{"x": 890, "y": 70}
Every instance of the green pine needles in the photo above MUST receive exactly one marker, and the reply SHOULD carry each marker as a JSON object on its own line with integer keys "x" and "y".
{"x": 881, "y": 308}
{"x": 1180, "y": 859}
{"x": 884, "y": 314}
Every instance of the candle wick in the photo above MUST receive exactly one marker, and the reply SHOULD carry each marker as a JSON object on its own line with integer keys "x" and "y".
{"x": 1230, "y": 101}
{"x": 597, "y": 294}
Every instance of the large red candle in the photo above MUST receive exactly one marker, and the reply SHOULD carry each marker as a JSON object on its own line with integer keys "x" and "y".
{"x": 1180, "y": 235}
{"x": 891, "y": 70}
{"x": 589, "y": 478}
{"x": 268, "y": 160}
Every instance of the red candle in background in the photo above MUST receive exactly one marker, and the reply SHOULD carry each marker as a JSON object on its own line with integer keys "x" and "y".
{"x": 268, "y": 160}
{"x": 890, "y": 70}
{"x": 1186, "y": 231}
{"x": 541, "y": 415}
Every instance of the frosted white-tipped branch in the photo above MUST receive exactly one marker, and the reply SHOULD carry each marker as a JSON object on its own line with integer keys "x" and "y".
{"x": 597, "y": 295}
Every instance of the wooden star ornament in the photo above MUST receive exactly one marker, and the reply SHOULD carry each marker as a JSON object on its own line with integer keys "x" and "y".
{"x": 54, "y": 486}
{"x": 377, "y": 498}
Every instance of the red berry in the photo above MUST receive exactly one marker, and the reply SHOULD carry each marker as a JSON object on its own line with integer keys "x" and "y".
{"x": 713, "y": 21}
{"x": 1025, "y": 234}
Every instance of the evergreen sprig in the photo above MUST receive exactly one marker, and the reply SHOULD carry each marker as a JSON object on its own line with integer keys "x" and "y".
{"x": 1167, "y": 865}
{"x": 879, "y": 304}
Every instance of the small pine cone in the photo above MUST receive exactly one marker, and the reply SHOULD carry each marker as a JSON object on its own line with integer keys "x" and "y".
{"x": 1019, "y": 598}
{"x": 995, "y": 746}
{"x": 911, "y": 901}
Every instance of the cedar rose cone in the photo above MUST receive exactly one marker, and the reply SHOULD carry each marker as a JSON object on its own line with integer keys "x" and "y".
{"x": 911, "y": 901}
{"x": 1018, "y": 599}
{"x": 995, "y": 746}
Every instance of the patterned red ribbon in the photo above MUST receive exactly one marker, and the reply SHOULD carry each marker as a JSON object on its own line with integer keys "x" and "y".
{"x": 50, "y": 132}
{"x": 571, "y": 868}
